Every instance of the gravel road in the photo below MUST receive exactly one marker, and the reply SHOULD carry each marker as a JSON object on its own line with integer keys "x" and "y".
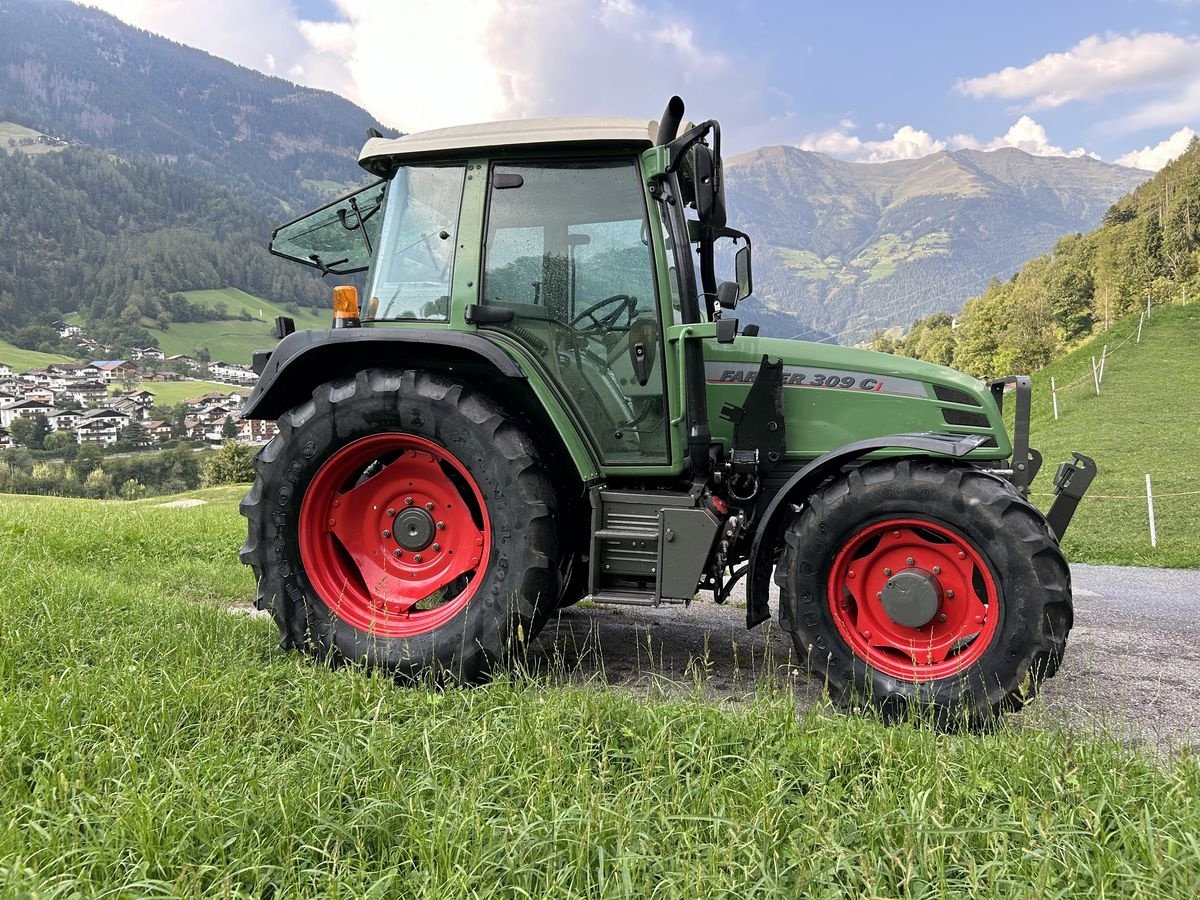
{"x": 1132, "y": 666}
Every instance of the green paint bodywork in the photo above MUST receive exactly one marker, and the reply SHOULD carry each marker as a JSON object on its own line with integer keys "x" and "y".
{"x": 819, "y": 419}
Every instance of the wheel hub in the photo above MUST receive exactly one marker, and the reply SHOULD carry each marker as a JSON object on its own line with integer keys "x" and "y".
{"x": 413, "y": 529}
{"x": 911, "y": 597}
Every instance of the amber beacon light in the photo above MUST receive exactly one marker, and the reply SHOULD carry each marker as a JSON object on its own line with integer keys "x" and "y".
{"x": 345, "y": 307}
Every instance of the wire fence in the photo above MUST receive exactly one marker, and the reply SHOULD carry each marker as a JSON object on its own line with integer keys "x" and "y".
{"x": 1095, "y": 379}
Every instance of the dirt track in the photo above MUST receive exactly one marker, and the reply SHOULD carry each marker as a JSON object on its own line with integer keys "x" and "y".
{"x": 1132, "y": 663}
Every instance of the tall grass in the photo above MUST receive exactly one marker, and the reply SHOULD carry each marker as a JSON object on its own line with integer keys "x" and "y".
{"x": 152, "y": 744}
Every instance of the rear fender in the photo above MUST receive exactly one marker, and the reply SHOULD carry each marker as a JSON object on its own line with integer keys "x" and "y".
{"x": 306, "y": 359}
{"x": 801, "y": 485}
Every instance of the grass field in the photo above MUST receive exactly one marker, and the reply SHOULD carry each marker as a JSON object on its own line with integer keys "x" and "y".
{"x": 10, "y": 131}
{"x": 168, "y": 393}
{"x": 154, "y": 745}
{"x": 19, "y": 360}
{"x": 1143, "y": 421}
{"x": 232, "y": 340}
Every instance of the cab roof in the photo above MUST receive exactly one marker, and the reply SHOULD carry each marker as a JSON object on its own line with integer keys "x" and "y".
{"x": 380, "y": 155}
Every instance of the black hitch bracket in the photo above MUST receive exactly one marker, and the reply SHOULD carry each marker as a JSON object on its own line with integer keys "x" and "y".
{"x": 1071, "y": 482}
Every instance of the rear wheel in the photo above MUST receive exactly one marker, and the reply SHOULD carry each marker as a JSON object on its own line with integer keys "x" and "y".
{"x": 400, "y": 520}
{"x": 917, "y": 584}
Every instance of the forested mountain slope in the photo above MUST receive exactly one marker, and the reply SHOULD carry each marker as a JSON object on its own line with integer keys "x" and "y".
{"x": 79, "y": 73}
{"x": 1148, "y": 247}
{"x": 115, "y": 240}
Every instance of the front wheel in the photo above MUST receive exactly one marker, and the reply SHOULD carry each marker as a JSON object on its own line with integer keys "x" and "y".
{"x": 920, "y": 585}
{"x": 400, "y": 520}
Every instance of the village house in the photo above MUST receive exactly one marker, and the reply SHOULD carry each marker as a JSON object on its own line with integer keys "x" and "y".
{"x": 63, "y": 420}
{"x": 85, "y": 393}
{"x": 5, "y": 370}
{"x": 238, "y": 374}
{"x": 158, "y": 430}
{"x": 112, "y": 369}
{"x": 101, "y": 426}
{"x": 23, "y": 409}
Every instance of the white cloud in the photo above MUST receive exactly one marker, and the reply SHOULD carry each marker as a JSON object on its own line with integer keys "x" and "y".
{"x": 1154, "y": 158}
{"x": 1025, "y": 134}
{"x": 905, "y": 143}
{"x": 1092, "y": 69}
{"x": 908, "y": 142}
{"x": 415, "y": 64}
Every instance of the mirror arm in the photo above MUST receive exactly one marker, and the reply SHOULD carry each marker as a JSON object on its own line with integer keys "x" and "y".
{"x": 678, "y": 148}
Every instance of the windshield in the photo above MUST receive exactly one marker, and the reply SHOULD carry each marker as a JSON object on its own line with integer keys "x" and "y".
{"x": 410, "y": 278}
{"x": 338, "y": 238}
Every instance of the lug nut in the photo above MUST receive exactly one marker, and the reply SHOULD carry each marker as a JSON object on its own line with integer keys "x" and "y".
{"x": 949, "y": 595}
{"x": 419, "y": 558}
{"x": 391, "y": 511}
{"x": 408, "y": 501}
{"x": 941, "y": 617}
{"x": 879, "y": 595}
{"x": 909, "y": 561}
{"x": 397, "y": 553}
{"x": 887, "y": 571}
{"x": 937, "y": 570}
{"x": 429, "y": 505}
{"x": 386, "y": 533}
{"x": 850, "y": 574}
{"x": 436, "y": 546}
{"x": 441, "y": 525}
{"x": 867, "y": 635}
{"x": 962, "y": 554}
{"x": 332, "y": 522}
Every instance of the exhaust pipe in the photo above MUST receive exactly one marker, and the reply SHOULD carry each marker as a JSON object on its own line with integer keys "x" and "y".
{"x": 668, "y": 125}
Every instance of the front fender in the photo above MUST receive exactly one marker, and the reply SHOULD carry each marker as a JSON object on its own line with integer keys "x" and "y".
{"x": 309, "y": 358}
{"x": 803, "y": 483}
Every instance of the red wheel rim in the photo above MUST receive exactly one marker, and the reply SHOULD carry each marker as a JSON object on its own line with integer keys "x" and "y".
{"x": 867, "y": 585}
{"x": 394, "y": 535}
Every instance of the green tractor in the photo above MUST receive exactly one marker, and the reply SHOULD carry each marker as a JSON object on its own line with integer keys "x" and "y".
{"x": 545, "y": 397}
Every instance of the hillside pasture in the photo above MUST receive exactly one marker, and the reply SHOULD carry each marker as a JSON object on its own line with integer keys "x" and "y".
{"x": 1142, "y": 422}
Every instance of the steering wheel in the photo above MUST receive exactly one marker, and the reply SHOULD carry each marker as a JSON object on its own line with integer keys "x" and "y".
{"x": 623, "y": 304}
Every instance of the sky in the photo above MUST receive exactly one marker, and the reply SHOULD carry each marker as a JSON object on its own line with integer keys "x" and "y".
{"x": 869, "y": 81}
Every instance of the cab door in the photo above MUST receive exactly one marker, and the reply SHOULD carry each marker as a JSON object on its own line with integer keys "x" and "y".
{"x": 567, "y": 250}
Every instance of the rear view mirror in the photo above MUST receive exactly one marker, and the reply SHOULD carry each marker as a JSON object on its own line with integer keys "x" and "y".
{"x": 709, "y": 187}
{"x": 741, "y": 265}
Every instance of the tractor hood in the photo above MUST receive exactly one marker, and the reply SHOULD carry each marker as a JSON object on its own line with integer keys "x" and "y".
{"x": 838, "y": 395}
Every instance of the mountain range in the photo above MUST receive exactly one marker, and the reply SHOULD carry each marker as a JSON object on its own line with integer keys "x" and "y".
{"x": 855, "y": 247}
{"x": 841, "y": 249}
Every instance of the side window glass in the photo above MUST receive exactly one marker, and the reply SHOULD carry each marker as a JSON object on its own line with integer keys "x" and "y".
{"x": 568, "y": 250}
{"x": 414, "y": 264}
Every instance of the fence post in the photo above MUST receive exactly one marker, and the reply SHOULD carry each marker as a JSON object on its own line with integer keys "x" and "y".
{"x": 1150, "y": 509}
{"x": 1095, "y": 376}
{"x": 1103, "y": 357}
{"x": 1147, "y": 306}
{"x": 1054, "y": 396}
{"x": 1140, "y": 321}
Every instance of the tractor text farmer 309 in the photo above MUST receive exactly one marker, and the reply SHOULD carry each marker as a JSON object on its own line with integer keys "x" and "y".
{"x": 544, "y": 398}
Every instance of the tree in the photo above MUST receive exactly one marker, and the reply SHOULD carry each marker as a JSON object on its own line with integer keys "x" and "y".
{"x": 22, "y": 430}
{"x": 229, "y": 429}
{"x": 134, "y": 434}
{"x": 62, "y": 443}
{"x": 88, "y": 459}
{"x": 232, "y": 464}
{"x": 30, "y": 432}
{"x": 130, "y": 379}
